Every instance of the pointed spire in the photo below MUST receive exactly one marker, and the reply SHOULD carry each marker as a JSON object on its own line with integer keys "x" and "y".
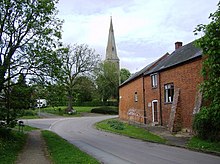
{"x": 111, "y": 26}
{"x": 111, "y": 52}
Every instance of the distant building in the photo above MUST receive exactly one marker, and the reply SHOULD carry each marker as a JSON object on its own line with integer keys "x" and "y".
{"x": 165, "y": 92}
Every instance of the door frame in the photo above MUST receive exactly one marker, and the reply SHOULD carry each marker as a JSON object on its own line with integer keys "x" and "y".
{"x": 154, "y": 101}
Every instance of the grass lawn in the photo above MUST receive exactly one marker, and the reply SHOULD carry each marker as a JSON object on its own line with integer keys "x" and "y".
{"x": 26, "y": 128}
{"x": 200, "y": 144}
{"x": 62, "y": 151}
{"x": 11, "y": 143}
{"x": 116, "y": 126}
{"x": 61, "y": 110}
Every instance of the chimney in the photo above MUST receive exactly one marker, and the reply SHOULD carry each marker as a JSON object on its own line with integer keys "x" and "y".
{"x": 178, "y": 45}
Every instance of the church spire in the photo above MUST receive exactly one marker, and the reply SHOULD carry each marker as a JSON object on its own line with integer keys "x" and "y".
{"x": 111, "y": 52}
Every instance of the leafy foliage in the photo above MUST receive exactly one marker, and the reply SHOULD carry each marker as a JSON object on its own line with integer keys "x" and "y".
{"x": 197, "y": 143}
{"x": 77, "y": 60}
{"x": 124, "y": 74}
{"x": 105, "y": 110}
{"x": 29, "y": 32}
{"x": 55, "y": 95}
{"x": 207, "y": 122}
{"x": 107, "y": 81}
{"x": 20, "y": 94}
{"x": 84, "y": 89}
{"x": 116, "y": 124}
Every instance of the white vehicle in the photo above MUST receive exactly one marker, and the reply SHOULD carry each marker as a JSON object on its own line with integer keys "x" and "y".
{"x": 41, "y": 103}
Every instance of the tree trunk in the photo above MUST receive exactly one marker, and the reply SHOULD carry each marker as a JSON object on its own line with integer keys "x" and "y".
{"x": 70, "y": 102}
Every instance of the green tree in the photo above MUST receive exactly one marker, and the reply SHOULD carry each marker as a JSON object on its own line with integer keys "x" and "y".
{"x": 124, "y": 75}
{"x": 20, "y": 95}
{"x": 107, "y": 81}
{"x": 84, "y": 89}
{"x": 207, "y": 122}
{"x": 76, "y": 60}
{"x": 56, "y": 95}
{"x": 29, "y": 31}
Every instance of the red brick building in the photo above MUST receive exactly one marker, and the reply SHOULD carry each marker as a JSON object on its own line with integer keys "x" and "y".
{"x": 166, "y": 91}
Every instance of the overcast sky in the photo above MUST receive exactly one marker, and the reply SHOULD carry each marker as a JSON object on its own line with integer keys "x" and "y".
{"x": 144, "y": 29}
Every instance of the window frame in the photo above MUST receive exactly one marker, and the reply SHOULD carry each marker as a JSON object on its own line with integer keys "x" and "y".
{"x": 135, "y": 97}
{"x": 168, "y": 93}
{"x": 154, "y": 80}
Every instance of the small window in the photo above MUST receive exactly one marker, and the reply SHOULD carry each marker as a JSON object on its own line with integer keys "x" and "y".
{"x": 169, "y": 92}
{"x": 135, "y": 97}
{"x": 154, "y": 80}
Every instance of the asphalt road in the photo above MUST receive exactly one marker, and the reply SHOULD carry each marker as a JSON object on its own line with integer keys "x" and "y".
{"x": 115, "y": 149}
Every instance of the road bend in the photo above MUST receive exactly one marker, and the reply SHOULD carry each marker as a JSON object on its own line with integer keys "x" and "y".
{"x": 110, "y": 148}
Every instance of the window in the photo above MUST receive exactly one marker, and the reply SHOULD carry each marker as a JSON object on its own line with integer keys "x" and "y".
{"x": 135, "y": 97}
{"x": 154, "y": 80}
{"x": 169, "y": 92}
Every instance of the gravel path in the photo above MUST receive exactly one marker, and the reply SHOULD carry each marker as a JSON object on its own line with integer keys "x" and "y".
{"x": 34, "y": 151}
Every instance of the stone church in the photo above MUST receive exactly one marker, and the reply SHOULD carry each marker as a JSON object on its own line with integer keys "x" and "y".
{"x": 111, "y": 51}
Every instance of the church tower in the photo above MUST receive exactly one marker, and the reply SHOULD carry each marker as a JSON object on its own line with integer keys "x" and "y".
{"x": 111, "y": 52}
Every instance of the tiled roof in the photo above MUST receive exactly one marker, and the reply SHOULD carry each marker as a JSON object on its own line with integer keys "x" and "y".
{"x": 179, "y": 56}
{"x": 137, "y": 74}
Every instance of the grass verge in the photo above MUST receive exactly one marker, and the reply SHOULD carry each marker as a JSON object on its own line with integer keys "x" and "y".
{"x": 11, "y": 143}
{"x": 116, "y": 126}
{"x": 62, "y": 151}
{"x": 196, "y": 143}
{"x": 61, "y": 110}
{"x": 26, "y": 128}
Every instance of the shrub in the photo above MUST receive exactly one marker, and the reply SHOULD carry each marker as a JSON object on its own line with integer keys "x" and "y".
{"x": 4, "y": 132}
{"x": 105, "y": 110}
{"x": 29, "y": 113}
{"x": 207, "y": 123}
{"x": 96, "y": 103}
{"x": 116, "y": 124}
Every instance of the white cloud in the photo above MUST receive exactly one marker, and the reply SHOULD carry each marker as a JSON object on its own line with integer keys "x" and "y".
{"x": 144, "y": 29}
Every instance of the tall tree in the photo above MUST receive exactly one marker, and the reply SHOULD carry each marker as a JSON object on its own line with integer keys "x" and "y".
{"x": 107, "y": 81}
{"x": 124, "y": 74}
{"x": 29, "y": 31}
{"x": 76, "y": 60}
{"x": 55, "y": 95}
{"x": 20, "y": 94}
{"x": 207, "y": 122}
{"x": 84, "y": 89}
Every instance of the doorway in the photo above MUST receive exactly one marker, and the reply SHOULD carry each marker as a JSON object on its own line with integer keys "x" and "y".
{"x": 155, "y": 111}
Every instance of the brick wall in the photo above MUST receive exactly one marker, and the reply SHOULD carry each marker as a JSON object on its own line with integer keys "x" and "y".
{"x": 186, "y": 77}
{"x": 127, "y": 100}
{"x": 151, "y": 94}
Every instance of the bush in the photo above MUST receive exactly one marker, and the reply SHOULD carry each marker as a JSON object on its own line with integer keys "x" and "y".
{"x": 29, "y": 113}
{"x": 5, "y": 132}
{"x": 96, "y": 103}
{"x": 105, "y": 110}
{"x": 116, "y": 124}
{"x": 207, "y": 123}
